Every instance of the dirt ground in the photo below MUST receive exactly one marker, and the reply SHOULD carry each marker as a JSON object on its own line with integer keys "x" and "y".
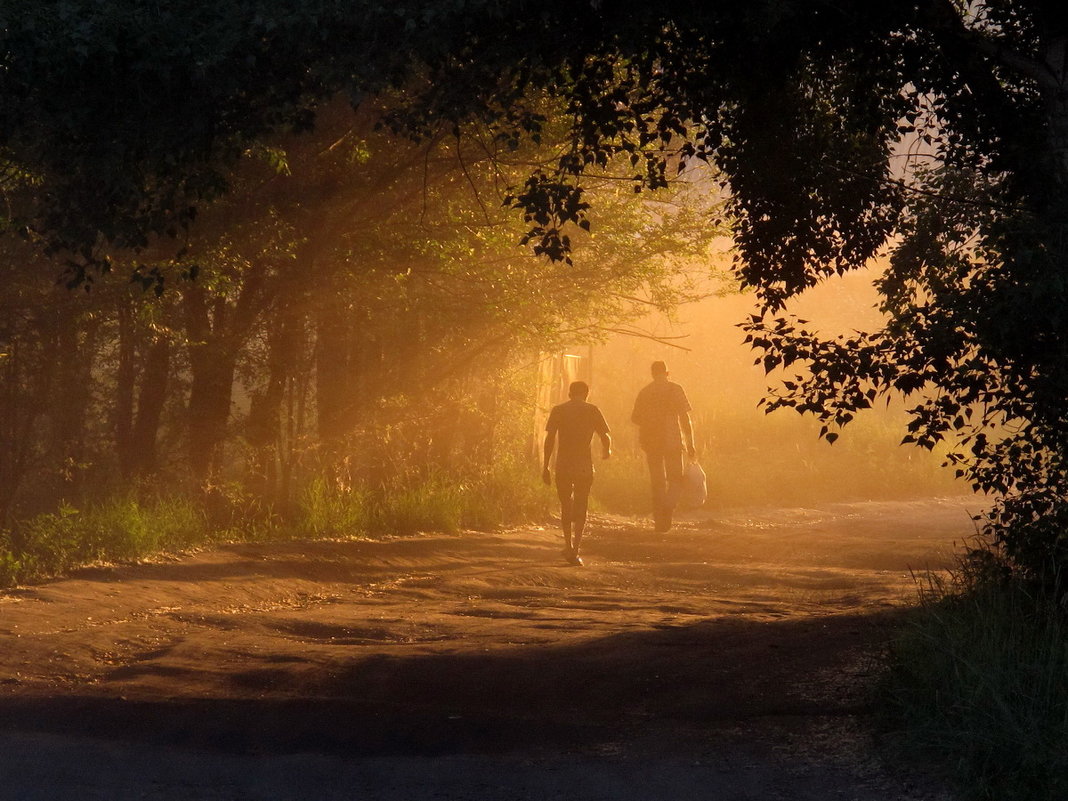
{"x": 729, "y": 659}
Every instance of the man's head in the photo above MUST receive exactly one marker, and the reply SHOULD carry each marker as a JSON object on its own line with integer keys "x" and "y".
{"x": 659, "y": 370}
{"x": 578, "y": 390}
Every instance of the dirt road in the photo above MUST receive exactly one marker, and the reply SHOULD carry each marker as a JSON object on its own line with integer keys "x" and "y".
{"x": 729, "y": 659}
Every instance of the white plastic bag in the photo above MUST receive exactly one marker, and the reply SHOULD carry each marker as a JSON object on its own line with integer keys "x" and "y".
{"x": 694, "y": 487}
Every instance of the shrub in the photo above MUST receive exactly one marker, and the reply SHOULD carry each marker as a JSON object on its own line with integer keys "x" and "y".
{"x": 431, "y": 504}
{"x": 325, "y": 511}
{"x": 979, "y": 677}
{"x": 120, "y": 528}
{"x": 53, "y": 542}
{"x": 622, "y": 484}
{"x": 510, "y": 492}
{"x": 126, "y": 527}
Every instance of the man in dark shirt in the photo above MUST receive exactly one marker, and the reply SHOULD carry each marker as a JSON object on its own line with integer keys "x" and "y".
{"x": 574, "y": 423}
{"x": 662, "y": 413}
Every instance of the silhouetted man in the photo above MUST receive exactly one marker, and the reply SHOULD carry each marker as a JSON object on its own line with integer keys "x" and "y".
{"x": 574, "y": 423}
{"x": 662, "y": 413}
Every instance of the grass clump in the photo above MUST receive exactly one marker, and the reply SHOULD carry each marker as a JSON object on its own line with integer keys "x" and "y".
{"x": 127, "y": 527}
{"x": 979, "y": 679}
{"x": 325, "y": 511}
{"x": 507, "y": 493}
{"x": 431, "y": 504}
{"x": 621, "y": 484}
{"x": 121, "y": 528}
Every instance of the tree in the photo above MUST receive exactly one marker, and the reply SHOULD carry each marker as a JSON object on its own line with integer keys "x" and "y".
{"x": 934, "y": 130}
{"x": 804, "y": 106}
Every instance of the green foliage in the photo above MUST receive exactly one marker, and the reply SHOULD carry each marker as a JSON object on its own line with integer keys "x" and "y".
{"x": 324, "y": 511}
{"x": 125, "y": 528}
{"x": 435, "y": 503}
{"x": 122, "y": 528}
{"x": 979, "y": 680}
{"x": 621, "y": 484}
{"x": 508, "y": 492}
{"x": 129, "y": 529}
{"x": 51, "y": 543}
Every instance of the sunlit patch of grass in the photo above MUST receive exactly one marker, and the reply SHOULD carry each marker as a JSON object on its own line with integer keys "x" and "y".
{"x": 510, "y": 492}
{"x": 128, "y": 528}
{"x": 783, "y": 463}
{"x": 125, "y": 527}
{"x": 431, "y": 504}
{"x": 118, "y": 529}
{"x": 325, "y": 511}
{"x": 979, "y": 678}
{"x": 621, "y": 485}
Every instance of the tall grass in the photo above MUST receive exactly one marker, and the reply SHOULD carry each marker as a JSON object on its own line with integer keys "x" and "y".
{"x": 117, "y": 529}
{"x": 126, "y": 528}
{"x": 507, "y": 493}
{"x": 621, "y": 484}
{"x": 979, "y": 678}
{"x": 328, "y": 512}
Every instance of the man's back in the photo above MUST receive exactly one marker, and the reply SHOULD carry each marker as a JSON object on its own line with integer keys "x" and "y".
{"x": 575, "y": 422}
{"x": 656, "y": 411}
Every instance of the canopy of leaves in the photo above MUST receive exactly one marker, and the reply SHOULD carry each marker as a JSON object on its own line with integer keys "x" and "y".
{"x": 814, "y": 112}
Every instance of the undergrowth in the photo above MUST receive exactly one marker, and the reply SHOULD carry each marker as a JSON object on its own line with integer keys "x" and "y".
{"x": 125, "y": 527}
{"x": 978, "y": 679}
{"x": 120, "y": 528}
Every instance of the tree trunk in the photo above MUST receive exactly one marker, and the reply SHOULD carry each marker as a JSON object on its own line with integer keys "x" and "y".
{"x": 333, "y": 376}
{"x": 76, "y": 349}
{"x": 125, "y": 378}
{"x": 153, "y": 395}
{"x": 27, "y": 385}
{"x": 264, "y": 420}
{"x": 212, "y": 359}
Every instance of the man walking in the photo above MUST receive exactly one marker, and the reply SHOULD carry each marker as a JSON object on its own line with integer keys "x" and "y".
{"x": 574, "y": 423}
{"x": 662, "y": 413}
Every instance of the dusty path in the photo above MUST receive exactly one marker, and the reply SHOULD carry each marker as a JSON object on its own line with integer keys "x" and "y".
{"x": 726, "y": 660}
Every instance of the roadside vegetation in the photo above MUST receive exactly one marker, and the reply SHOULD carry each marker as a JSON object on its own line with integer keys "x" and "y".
{"x": 348, "y": 344}
{"x": 978, "y": 682}
{"x": 319, "y": 206}
{"x": 129, "y": 528}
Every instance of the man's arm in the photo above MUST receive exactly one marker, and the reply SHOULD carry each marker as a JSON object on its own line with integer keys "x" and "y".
{"x": 686, "y": 422}
{"x": 550, "y": 441}
{"x": 606, "y": 444}
{"x": 606, "y": 438}
{"x": 687, "y": 432}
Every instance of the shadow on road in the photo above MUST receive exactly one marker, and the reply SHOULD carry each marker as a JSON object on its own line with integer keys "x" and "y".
{"x": 658, "y": 685}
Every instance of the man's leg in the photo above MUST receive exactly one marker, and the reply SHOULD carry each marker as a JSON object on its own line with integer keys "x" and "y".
{"x": 579, "y": 505}
{"x": 673, "y": 470}
{"x": 565, "y": 490}
{"x": 658, "y": 484}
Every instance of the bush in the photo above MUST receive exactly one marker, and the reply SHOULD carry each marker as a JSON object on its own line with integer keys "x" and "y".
{"x": 432, "y": 504}
{"x": 324, "y": 511}
{"x": 121, "y": 528}
{"x": 979, "y": 677}
{"x": 622, "y": 484}
{"x": 51, "y": 543}
{"x": 125, "y": 527}
{"x": 510, "y": 492}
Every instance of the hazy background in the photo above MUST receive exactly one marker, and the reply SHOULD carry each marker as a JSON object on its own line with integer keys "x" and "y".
{"x": 752, "y": 457}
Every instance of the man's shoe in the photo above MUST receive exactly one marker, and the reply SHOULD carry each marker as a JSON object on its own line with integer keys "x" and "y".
{"x": 575, "y": 559}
